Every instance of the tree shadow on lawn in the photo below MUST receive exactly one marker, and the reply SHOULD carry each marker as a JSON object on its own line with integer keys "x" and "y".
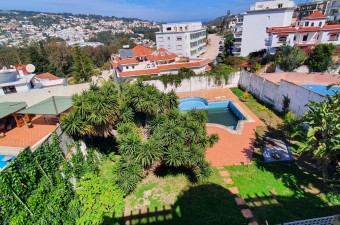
{"x": 206, "y": 204}
{"x": 164, "y": 170}
{"x": 306, "y": 200}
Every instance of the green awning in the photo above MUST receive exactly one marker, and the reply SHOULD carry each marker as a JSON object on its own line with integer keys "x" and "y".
{"x": 7, "y": 108}
{"x": 51, "y": 106}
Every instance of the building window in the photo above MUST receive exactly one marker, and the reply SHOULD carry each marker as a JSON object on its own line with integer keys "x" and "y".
{"x": 160, "y": 39}
{"x": 133, "y": 67}
{"x": 161, "y": 46}
{"x": 305, "y": 37}
{"x": 320, "y": 24}
{"x": 279, "y": 6}
{"x": 9, "y": 89}
{"x": 306, "y": 24}
{"x": 168, "y": 28}
{"x": 168, "y": 38}
{"x": 178, "y": 47}
{"x": 178, "y": 38}
{"x": 282, "y": 39}
{"x": 312, "y": 24}
{"x": 333, "y": 37}
{"x": 180, "y": 28}
{"x": 294, "y": 38}
{"x": 127, "y": 67}
{"x": 169, "y": 47}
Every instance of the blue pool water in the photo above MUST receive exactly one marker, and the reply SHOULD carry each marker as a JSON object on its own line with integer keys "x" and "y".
{"x": 224, "y": 113}
{"x": 321, "y": 89}
{"x": 5, "y": 160}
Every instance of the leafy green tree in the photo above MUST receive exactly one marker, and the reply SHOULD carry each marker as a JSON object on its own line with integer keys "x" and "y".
{"x": 228, "y": 42}
{"x": 99, "y": 198}
{"x": 289, "y": 58}
{"x": 321, "y": 58}
{"x": 323, "y": 138}
{"x": 83, "y": 68}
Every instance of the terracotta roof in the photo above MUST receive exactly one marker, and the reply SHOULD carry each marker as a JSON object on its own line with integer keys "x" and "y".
{"x": 306, "y": 45}
{"x": 162, "y": 54}
{"x": 114, "y": 64}
{"x": 315, "y": 15}
{"x": 331, "y": 27}
{"x": 126, "y": 61}
{"x": 140, "y": 50}
{"x": 181, "y": 65}
{"x": 23, "y": 68}
{"x": 208, "y": 68}
{"x": 139, "y": 72}
{"x": 281, "y": 30}
{"x": 48, "y": 76}
{"x": 283, "y": 34}
{"x": 302, "y": 29}
{"x": 303, "y": 78}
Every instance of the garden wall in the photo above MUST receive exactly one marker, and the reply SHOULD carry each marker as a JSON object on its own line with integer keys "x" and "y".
{"x": 273, "y": 93}
{"x": 195, "y": 84}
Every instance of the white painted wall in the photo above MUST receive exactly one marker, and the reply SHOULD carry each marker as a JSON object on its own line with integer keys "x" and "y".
{"x": 273, "y": 93}
{"x": 255, "y": 22}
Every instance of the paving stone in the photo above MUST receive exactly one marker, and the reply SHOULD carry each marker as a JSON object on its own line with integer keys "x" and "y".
{"x": 224, "y": 174}
{"x": 247, "y": 213}
{"x": 234, "y": 190}
{"x": 228, "y": 181}
{"x": 220, "y": 168}
{"x": 240, "y": 201}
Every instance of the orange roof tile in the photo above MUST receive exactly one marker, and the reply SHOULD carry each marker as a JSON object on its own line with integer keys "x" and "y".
{"x": 139, "y": 72}
{"x": 23, "y": 68}
{"x": 140, "y": 50}
{"x": 331, "y": 27}
{"x": 126, "y": 61}
{"x": 180, "y": 65}
{"x": 47, "y": 76}
{"x": 302, "y": 29}
{"x": 208, "y": 68}
{"x": 162, "y": 54}
{"x": 281, "y": 29}
{"x": 315, "y": 15}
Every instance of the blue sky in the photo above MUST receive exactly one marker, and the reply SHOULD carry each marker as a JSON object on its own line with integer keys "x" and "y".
{"x": 158, "y": 10}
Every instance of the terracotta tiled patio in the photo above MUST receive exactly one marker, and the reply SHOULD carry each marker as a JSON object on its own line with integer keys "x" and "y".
{"x": 21, "y": 137}
{"x": 232, "y": 149}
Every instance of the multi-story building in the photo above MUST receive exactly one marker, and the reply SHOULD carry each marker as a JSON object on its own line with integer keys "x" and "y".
{"x": 333, "y": 11}
{"x": 307, "y": 33}
{"x": 235, "y": 26}
{"x": 307, "y": 8}
{"x": 258, "y": 18}
{"x": 184, "y": 39}
{"x": 140, "y": 61}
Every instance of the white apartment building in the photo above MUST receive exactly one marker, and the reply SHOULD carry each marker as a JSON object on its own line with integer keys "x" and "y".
{"x": 183, "y": 39}
{"x": 235, "y": 26}
{"x": 259, "y": 17}
{"x": 307, "y": 33}
{"x": 333, "y": 11}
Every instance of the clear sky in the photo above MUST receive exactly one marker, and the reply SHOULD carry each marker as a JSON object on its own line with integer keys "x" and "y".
{"x": 157, "y": 10}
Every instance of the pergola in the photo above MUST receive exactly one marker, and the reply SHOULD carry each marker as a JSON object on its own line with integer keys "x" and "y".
{"x": 51, "y": 107}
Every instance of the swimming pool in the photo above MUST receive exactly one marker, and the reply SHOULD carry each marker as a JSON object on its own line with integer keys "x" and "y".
{"x": 321, "y": 89}
{"x": 5, "y": 160}
{"x": 224, "y": 113}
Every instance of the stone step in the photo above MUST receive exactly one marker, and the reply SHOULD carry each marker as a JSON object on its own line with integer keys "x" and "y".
{"x": 240, "y": 201}
{"x": 234, "y": 190}
{"x": 247, "y": 213}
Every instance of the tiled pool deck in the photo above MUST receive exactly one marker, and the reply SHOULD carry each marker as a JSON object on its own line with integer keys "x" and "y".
{"x": 232, "y": 148}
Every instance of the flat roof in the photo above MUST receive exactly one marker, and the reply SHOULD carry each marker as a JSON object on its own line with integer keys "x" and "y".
{"x": 22, "y": 80}
{"x": 303, "y": 78}
{"x": 7, "y": 108}
{"x": 51, "y": 106}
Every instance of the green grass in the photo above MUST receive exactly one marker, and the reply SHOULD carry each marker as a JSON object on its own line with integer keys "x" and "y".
{"x": 207, "y": 202}
{"x": 280, "y": 192}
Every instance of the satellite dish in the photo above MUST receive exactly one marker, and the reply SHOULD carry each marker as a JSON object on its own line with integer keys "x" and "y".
{"x": 30, "y": 68}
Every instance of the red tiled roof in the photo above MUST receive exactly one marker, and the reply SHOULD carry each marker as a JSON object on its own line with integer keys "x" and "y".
{"x": 208, "y": 68}
{"x": 162, "y": 54}
{"x": 334, "y": 32}
{"x": 331, "y": 27}
{"x": 283, "y": 34}
{"x": 315, "y": 15}
{"x": 126, "y": 61}
{"x": 23, "y": 68}
{"x": 47, "y": 76}
{"x": 306, "y": 45}
{"x": 139, "y": 72}
{"x": 302, "y": 29}
{"x": 181, "y": 65}
{"x": 114, "y": 64}
{"x": 140, "y": 50}
{"x": 281, "y": 30}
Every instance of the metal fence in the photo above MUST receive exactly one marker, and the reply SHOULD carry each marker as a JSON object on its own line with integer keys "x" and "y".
{"x": 329, "y": 220}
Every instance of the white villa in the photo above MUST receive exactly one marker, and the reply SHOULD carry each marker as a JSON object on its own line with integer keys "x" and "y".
{"x": 131, "y": 63}
{"x": 184, "y": 39}
{"x": 307, "y": 33}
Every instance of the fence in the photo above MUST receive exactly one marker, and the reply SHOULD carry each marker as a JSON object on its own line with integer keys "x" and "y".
{"x": 329, "y": 220}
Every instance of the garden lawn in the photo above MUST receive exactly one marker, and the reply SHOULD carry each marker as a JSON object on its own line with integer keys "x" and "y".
{"x": 207, "y": 202}
{"x": 280, "y": 192}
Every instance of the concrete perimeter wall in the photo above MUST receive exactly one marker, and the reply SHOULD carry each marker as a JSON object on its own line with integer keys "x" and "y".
{"x": 273, "y": 93}
{"x": 195, "y": 84}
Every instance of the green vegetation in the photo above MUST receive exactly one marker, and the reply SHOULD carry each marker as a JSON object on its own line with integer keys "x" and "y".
{"x": 289, "y": 58}
{"x": 82, "y": 66}
{"x": 321, "y": 58}
{"x": 281, "y": 192}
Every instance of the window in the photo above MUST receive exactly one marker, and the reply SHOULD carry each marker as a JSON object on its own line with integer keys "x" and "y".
{"x": 305, "y": 37}
{"x": 320, "y": 24}
{"x": 180, "y": 28}
{"x": 294, "y": 38}
{"x": 133, "y": 67}
{"x": 9, "y": 89}
{"x": 169, "y": 47}
{"x": 161, "y": 46}
{"x": 178, "y": 38}
{"x": 306, "y": 24}
{"x": 279, "y": 6}
{"x": 312, "y": 24}
{"x": 333, "y": 37}
{"x": 168, "y": 28}
{"x": 168, "y": 38}
{"x": 160, "y": 39}
{"x": 282, "y": 39}
{"x": 127, "y": 67}
{"x": 178, "y": 47}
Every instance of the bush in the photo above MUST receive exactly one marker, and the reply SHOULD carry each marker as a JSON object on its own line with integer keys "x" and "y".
{"x": 333, "y": 197}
